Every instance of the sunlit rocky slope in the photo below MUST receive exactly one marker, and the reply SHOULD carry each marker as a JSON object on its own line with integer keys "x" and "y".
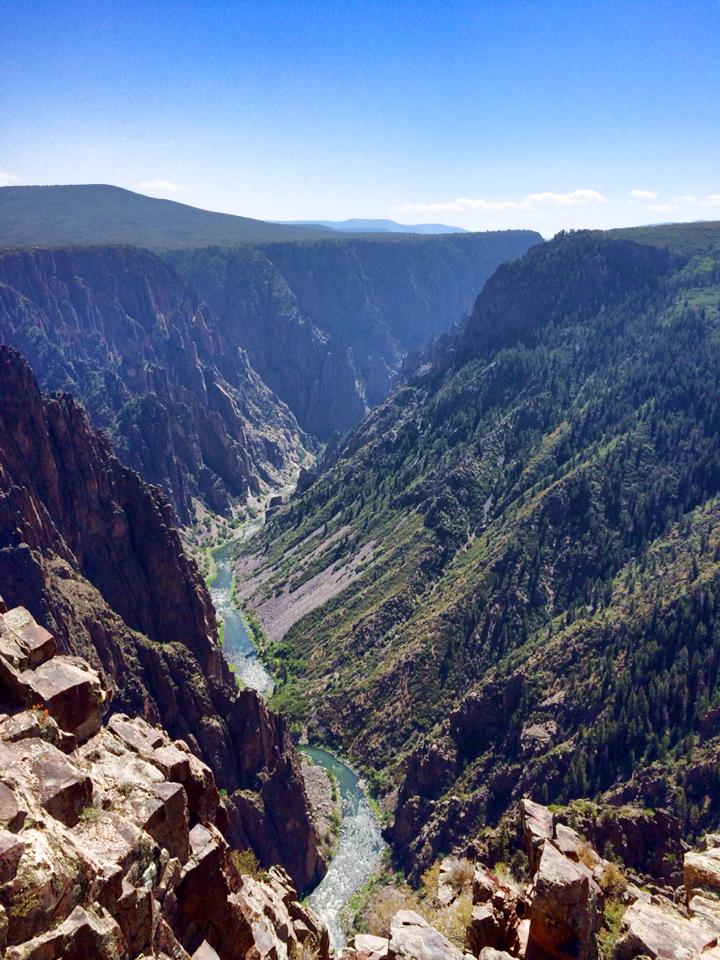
{"x": 112, "y": 847}
{"x": 506, "y": 581}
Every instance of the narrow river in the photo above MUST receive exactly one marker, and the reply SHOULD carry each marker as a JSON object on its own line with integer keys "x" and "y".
{"x": 359, "y": 849}
{"x": 360, "y": 844}
{"x": 239, "y": 647}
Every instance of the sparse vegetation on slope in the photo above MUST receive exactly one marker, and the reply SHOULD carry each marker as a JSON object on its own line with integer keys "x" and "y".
{"x": 538, "y": 611}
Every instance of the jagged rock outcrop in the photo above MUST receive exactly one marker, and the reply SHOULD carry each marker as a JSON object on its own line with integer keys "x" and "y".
{"x": 660, "y": 933}
{"x": 500, "y": 915}
{"x": 411, "y": 938}
{"x": 566, "y": 909}
{"x": 701, "y": 870}
{"x": 92, "y": 552}
{"x": 111, "y": 836}
{"x": 117, "y": 328}
{"x": 562, "y": 913}
{"x": 328, "y": 324}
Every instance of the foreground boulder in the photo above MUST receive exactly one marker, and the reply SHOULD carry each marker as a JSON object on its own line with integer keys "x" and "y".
{"x": 649, "y": 930}
{"x": 566, "y": 909}
{"x": 701, "y": 871}
{"x": 113, "y": 849}
{"x": 413, "y": 938}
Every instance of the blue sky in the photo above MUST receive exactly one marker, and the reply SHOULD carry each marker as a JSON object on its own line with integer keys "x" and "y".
{"x": 487, "y": 114}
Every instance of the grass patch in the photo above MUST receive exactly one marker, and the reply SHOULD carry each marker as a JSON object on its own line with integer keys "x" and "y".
{"x": 610, "y": 932}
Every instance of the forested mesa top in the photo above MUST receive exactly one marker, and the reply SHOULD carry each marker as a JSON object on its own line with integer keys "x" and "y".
{"x": 98, "y": 213}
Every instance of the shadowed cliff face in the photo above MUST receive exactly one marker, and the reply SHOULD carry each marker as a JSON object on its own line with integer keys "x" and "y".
{"x": 118, "y": 329}
{"x": 93, "y": 552}
{"x": 327, "y": 324}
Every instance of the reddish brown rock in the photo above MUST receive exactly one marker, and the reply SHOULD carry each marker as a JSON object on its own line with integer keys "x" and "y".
{"x": 566, "y": 909}
{"x": 412, "y": 938}
{"x": 37, "y": 643}
{"x": 370, "y": 947}
{"x": 647, "y": 841}
{"x": 62, "y": 789}
{"x": 11, "y": 849}
{"x": 175, "y": 762}
{"x": 538, "y": 826}
{"x": 162, "y": 813}
{"x": 36, "y": 724}
{"x": 134, "y": 911}
{"x": 279, "y": 924}
{"x": 84, "y": 934}
{"x": 706, "y": 908}
{"x": 701, "y": 871}
{"x": 205, "y": 910}
{"x": 72, "y": 694}
{"x": 660, "y": 933}
{"x": 498, "y": 911}
{"x": 11, "y": 814}
{"x": 104, "y": 865}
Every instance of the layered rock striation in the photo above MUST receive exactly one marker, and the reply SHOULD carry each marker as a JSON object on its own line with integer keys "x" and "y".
{"x": 117, "y": 328}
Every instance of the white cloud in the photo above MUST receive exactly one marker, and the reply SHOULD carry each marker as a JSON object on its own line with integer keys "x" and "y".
{"x": 662, "y": 207}
{"x": 643, "y": 195}
{"x": 462, "y": 203}
{"x": 162, "y": 186}
{"x": 533, "y": 200}
{"x": 8, "y": 179}
{"x": 572, "y": 199}
{"x": 709, "y": 200}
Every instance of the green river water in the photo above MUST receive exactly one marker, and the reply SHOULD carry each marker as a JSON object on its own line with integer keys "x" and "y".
{"x": 360, "y": 844}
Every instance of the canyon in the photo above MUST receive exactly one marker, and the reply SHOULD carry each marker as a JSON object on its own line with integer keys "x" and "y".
{"x": 112, "y": 847}
{"x": 328, "y": 324}
{"x": 216, "y": 371}
{"x": 463, "y": 598}
{"x": 359, "y": 481}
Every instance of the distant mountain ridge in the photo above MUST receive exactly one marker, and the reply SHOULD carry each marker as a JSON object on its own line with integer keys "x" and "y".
{"x": 357, "y": 225}
{"x": 98, "y": 213}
